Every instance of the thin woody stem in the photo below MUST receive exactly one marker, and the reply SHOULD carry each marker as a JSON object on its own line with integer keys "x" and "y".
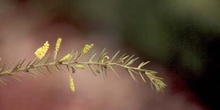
{"x": 25, "y": 69}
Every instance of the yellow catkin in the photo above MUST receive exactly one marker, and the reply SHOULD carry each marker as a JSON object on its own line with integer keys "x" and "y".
{"x": 86, "y": 48}
{"x": 66, "y": 57}
{"x": 78, "y": 66}
{"x": 59, "y": 40}
{"x": 71, "y": 83}
{"x": 40, "y": 52}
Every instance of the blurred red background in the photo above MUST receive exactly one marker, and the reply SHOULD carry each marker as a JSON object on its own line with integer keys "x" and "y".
{"x": 25, "y": 25}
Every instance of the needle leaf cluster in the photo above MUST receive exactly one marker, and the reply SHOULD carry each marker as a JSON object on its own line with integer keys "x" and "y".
{"x": 98, "y": 64}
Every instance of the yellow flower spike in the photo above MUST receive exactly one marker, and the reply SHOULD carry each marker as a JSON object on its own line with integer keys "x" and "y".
{"x": 79, "y": 66}
{"x": 66, "y": 57}
{"x": 86, "y": 48}
{"x": 40, "y": 52}
{"x": 71, "y": 83}
{"x": 59, "y": 40}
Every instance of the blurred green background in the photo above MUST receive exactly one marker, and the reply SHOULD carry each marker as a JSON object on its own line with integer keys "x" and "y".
{"x": 175, "y": 32}
{"x": 183, "y": 35}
